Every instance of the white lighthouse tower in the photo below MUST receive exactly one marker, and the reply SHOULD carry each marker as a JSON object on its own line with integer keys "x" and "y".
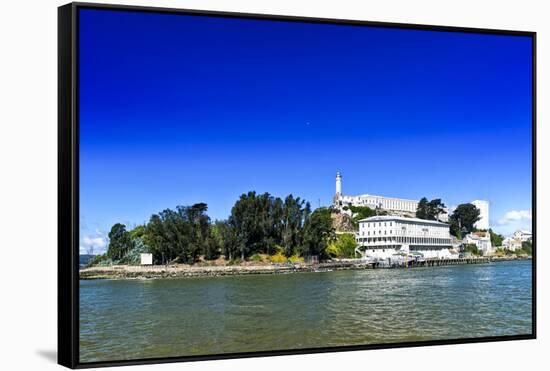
{"x": 338, "y": 184}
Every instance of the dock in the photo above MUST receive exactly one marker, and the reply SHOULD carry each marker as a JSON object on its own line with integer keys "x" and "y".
{"x": 434, "y": 262}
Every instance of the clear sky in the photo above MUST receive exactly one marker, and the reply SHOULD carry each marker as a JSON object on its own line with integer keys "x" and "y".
{"x": 176, "y": 110}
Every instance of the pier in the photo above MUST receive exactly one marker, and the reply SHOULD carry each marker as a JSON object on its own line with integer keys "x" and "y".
{"x": 440, "y": 262}
{"x": 433, "y": 262}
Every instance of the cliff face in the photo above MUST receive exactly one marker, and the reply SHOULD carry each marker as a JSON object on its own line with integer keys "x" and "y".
{"x": 341, "y": 222}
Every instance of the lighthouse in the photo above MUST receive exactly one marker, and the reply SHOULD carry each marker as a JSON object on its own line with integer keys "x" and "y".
{"x": 338, "y": 183}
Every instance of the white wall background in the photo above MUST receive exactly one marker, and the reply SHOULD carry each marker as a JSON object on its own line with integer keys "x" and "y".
{"x": 28, "y": 152}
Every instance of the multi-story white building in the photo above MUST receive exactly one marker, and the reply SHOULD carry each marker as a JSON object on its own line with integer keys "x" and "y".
{"x": 382, "y": 237}
{"x": 514, "y": 242}
{"x": 511, "y": 243}
{"x": 523, "y": 235}
{"x": 483, "y": 206}
{"x": 397, "y": 206}
{"x": 482, "y": 240}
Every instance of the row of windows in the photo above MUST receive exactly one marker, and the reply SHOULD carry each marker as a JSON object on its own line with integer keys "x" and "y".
{"x": 374, "y": 232}
{"x": 390, "y": 224}
{"x": 373, "y": 224}
{"x": 422, "y": 240}
{"x": 386, "y": 233}
{"x": 418, "y": 248}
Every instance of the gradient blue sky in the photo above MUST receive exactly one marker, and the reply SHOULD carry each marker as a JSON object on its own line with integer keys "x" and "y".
{"x": 177, "y": 109}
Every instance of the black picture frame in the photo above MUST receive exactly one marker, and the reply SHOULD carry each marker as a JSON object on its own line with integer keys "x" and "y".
{"x": 68, "y": 184}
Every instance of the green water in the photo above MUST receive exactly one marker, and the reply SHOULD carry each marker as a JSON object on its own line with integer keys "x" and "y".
{"x": 162, "y": 318}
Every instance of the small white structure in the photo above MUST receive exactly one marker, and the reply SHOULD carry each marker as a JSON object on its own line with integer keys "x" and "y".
{"x": 482, "y": 240}
{"x": 523, "y": 235}
{"x": 146, "y": 259}
{"x": 397, "y": 206}
{"x": 383, "y": 237}
{"x": 483, "y": 206}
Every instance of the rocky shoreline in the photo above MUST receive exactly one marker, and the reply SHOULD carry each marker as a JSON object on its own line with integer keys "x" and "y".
{"x": 185, "y": 271}
{"x": 181, "y": 271}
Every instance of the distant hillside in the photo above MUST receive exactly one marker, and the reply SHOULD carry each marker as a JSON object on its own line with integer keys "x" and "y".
{"x": 85, "y": 259}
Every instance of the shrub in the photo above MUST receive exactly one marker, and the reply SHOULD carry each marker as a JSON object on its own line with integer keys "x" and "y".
{"x": 133, "y": 256}
{"x": 343, "y": 247}
{"x": 472, "y": 249}
{"x": 100, "y": 261}
{"x": 234, "y": 261}
{"x": 278, "y": 258}
{"x": 296, "y": 259}
{"x": 256, "y": 258}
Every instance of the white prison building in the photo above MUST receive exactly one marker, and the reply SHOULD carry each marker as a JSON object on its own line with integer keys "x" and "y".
{"x": 381, "y": 237}
{"x": 523, "y": 235}
{"x": 386, "y": 203}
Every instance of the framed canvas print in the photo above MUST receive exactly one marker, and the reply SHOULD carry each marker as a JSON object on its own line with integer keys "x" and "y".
{"x": 236, "y": 185}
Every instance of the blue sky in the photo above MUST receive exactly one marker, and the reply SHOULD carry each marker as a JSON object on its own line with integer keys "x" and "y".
{"x": 176, "y": 110}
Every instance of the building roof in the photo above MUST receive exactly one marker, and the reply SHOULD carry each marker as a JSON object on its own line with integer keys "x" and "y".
{"x": 481, "y": 234}
{"x": 383, "y": 218}
{"x": 386, "y": 197}
{"x": 476, "y": 236}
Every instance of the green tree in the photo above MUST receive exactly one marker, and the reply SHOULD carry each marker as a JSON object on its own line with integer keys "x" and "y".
{"x": 527, "y": 247}
{"x": 137, "y": 232}
{"x": 343, "y": 247}
{"x": 183, "y": 234}
{"x": 250, "y": 220}
{"x": 360, "y": 212}
{"x": 436, "y": 207}
{"x": 463, "y": 219}
{"x": 422, "y": 210}
{"x": 119, "y": 242}
{"x": 429, "y": 210}
{"x": 293, "y": 219}
{"x": 496, "y": 239}
{"x": 226, "y": 238}
{"x": 318, "y": 232}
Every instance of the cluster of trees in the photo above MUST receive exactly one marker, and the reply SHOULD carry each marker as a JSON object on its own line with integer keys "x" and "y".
{"x": 258, "y": 224}
{"x": 430, "y": 210}
{"x": 183, "y": 234}
{"x": 461, "y": 221}
{"x": 496, "y": 239}
{"x": 263, "y": 224}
